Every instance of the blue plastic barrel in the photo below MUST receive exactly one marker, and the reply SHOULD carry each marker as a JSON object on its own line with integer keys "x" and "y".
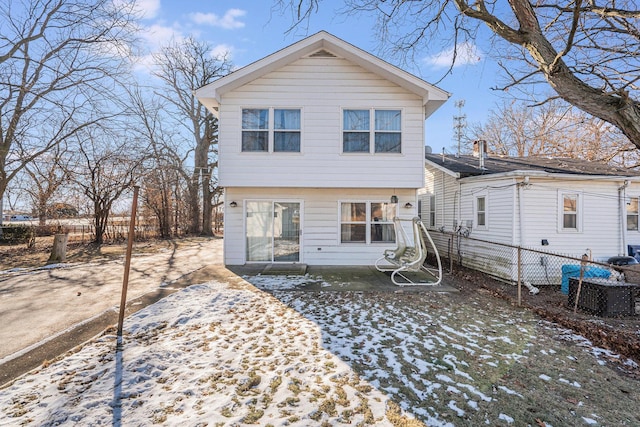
{"x": 570, "y": 270}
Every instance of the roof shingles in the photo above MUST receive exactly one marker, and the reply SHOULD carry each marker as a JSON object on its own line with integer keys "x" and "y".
{"x": 470, "y": 165}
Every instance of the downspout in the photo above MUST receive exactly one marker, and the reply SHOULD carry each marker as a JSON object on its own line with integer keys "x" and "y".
{"x": 622, "y": 202}
{"x": 521, "y": 185}
{"x": 443, "y": 195}
{"x": 459, "y": 202}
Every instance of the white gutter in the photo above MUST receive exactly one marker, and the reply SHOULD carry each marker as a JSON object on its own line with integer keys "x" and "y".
{"x": 542, "y": 174}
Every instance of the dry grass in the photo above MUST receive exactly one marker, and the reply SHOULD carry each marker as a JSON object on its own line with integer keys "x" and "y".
{"x": 470, "y": 359}
{"x": 19, "y": 256}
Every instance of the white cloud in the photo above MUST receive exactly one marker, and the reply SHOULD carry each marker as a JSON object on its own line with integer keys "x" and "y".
{"x": 158, "y": 35}
{"x": 155, "y": 37}
{"x": 148, "y": 8}
{"x": 465, "y": 54}
{"x": 222, "y": 50}
{"x": 229, "y": 21}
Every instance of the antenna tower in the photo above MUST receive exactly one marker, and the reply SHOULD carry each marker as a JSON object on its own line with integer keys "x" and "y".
{"x": 459, "y": 124}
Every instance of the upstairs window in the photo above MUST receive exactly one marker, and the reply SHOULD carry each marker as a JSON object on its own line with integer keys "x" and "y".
{"x": 255, "y": 129}
{"x": 286, "y": 135}
{"x": 387, "y": 131}
{"x": 271, "y": 129}
{"x": 355, "y": 137}
{"x": 359, "y": 136}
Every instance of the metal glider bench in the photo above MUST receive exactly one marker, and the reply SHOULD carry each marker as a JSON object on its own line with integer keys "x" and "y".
{"x": 410, "y": 255}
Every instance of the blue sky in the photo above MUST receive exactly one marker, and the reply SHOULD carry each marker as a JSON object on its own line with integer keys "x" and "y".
{"x": 249, "y": 30}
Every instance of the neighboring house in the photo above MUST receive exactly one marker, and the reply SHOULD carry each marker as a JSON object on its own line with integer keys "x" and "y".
{"x": 565, "y": 206}
{"x": 321, "y": 145}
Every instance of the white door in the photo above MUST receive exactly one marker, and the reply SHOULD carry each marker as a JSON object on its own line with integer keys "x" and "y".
{"x": 273, "y": 231}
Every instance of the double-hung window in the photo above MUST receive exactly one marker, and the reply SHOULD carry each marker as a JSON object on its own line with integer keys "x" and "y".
{"x": 367, "y": 222}
{"x": 570, "y": 211}
{"x": 271, "y": 130}
{"x": 371, "y": 131}
{"x": 632, "y": 214}
{"x": 481, "y": 211}
{"x": 432, "y": 210}
{"x": 255, "y": 129}
{"x": 286, "y": 134}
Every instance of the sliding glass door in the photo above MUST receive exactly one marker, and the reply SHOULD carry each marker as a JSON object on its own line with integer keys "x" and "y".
{"x": 273, "y": 231}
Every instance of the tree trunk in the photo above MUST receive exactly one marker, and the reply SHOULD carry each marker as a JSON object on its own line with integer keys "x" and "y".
{"x": 194, "y": 206}
{"x": 59, "y": 250}
{"x": 100, "y": 221}
{"x": 207, "y": 208}
{"x": 42, "y": 213}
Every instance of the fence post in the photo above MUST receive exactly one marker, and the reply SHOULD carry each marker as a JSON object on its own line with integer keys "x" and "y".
{"x": 585, "y": 258}
{"x": 127, "y": 263}
{"x": 519, "y": 276}
{"x": 450, "y": 245}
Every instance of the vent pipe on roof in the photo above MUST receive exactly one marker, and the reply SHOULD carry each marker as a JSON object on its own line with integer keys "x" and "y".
{"x": 480, "y": 150}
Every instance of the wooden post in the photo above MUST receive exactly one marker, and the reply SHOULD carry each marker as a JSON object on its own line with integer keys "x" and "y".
{"x": 59, "y": 250}
{"x": 127, "y": 263}
{"x": 585, "y": 258}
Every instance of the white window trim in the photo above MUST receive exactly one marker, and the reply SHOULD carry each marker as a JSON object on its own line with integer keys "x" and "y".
{"x": 271, "y": 130}
{"x": 579, "y": 213}
{"x": 433, "y": 213}
{"x": 626, "y": 221}
{"x": 476, "y": 196}
{"x": 372, "y": 130}
{"x": 368, "y": 222}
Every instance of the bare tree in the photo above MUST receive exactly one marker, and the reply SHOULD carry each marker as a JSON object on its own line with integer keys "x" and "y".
{"x": 56, "y": 57}
{"x": 46, "y": 175}
{"x": 164, "y": 165}
{"x": 184, "y": 67}
{"x": 104, "y": 171}
{"x": 587, "y": 51}
{"x": 554, "y": 129}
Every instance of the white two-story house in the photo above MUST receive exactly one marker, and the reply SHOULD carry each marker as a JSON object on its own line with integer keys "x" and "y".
{"x": 321, "y": 145}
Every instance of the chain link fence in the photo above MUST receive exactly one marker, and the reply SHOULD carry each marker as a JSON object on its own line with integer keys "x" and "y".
{"x": 581, "y": 284}
{"x": 115, "y": 232}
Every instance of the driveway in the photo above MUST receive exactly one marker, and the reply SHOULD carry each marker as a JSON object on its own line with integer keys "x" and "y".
{"x": 37, "y": 305}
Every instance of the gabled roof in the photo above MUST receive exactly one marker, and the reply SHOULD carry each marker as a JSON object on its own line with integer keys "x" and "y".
{"x": 322, "y": 44}
{"x": 466, "y": 166}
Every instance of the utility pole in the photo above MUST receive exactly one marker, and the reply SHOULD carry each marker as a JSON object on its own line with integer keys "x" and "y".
{"x": 459, "y": 124}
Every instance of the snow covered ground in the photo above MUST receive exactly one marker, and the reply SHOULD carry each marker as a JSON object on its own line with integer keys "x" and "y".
{"x": 229, "y": 354}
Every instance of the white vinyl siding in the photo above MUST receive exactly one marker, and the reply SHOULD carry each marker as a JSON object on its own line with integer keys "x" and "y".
{"x": 498, "y": 210}
{"x": 320, "y": 239}
{"x": 322, "y": 88}
{"x": 444, "y": 189}
{"x": 598, "y": 217}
